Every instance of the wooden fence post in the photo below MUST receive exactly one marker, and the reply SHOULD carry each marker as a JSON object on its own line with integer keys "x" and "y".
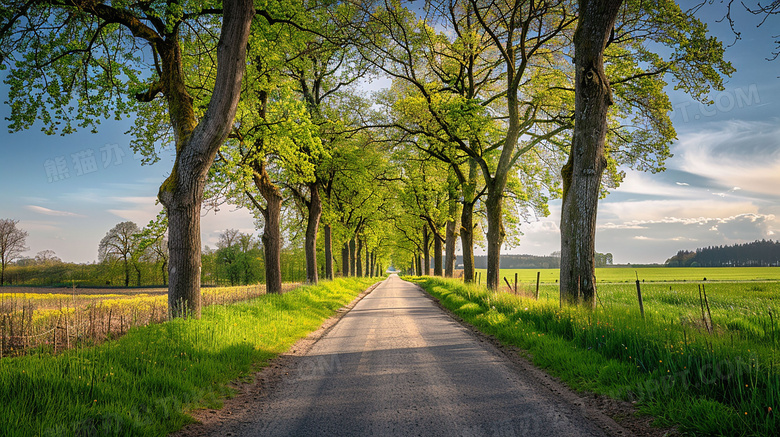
{"x": 639, "y": 296}
{"x": 701, "y": 304}
{"x": 707, "y": 303}
{"x": 538, "y": 274}
{"x": 508, "y": 284}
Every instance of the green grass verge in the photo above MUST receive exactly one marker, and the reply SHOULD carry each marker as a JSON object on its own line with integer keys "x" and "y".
{"x": 144, "y": 382}
{"x": 705, "y": 384}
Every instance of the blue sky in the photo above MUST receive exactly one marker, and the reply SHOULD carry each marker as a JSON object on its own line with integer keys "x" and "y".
{"x": 722, "y": 186}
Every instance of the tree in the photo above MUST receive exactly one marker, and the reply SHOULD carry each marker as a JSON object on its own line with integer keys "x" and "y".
{"x": 47, "y": 257}
{"x": 477, "y": 85}
{"x": 92, "y": 53}
{"x": 120, "y": 244}
{"x": 587, "y": 161}
{"x": 12, "y": 241}
{"x": 696, "y": 62}
{"x": 323, "y": 71}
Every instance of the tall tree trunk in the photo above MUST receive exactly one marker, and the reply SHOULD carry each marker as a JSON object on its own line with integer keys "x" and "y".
{"x": 469, "y": 188}
{"x": 451, "y": 230}
{"x": 437, "y": 258}
{"x": 328, "y": 242}
{"x": 368, "y": 262}
{"x": 352, "y": 271}
{"x": 345, "y": 260}
{"x": 183, "y": 268}
{"x": 272, "y": 244}
{"x": 197, "y": 143}
{"x": 495, "y": 236}
{"x": 373, "y": 264}
{"x": 467, "y": 241}
{"x": 426, "y": 268}
{"x": 582, "y": 173}
{"x": 312, "y": 226}
{"x": 419, "y": 264}
{"x": 450, "y": 241}
{"x": 358, "y": 261}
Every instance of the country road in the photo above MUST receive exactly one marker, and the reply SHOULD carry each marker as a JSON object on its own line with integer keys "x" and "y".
{"x": 397, "y": 365}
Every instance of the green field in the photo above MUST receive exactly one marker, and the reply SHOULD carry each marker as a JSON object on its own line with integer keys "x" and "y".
{"x": 651, "y": 274}
{"x": 708, "y": 376}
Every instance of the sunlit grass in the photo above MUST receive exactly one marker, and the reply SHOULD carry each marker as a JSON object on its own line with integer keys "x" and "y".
{"x": 725, "y": 383}
{"x": 143, "y": 383}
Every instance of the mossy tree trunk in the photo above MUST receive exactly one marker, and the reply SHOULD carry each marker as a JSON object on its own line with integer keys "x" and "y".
{"x": 582, "y": 173}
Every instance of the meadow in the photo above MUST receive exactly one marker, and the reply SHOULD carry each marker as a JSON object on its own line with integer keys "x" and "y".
{"x": 709, "y": 371}
{"x": 144, "y": 382}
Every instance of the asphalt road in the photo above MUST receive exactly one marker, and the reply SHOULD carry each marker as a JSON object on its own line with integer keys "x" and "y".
{"x": 397, "y": 365}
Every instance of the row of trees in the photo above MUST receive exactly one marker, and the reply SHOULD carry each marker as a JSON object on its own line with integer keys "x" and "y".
{"x": 755, "y": 254}
{"x": 494, "y": 109}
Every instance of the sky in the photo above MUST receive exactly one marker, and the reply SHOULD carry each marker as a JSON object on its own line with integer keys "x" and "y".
{"x": 722, "y": 186}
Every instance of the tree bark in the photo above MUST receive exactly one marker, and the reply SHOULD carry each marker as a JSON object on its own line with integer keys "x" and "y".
{"x": 328, "y": 243}
{"x": 272, "y": 235}
{"x": 272, "y": 243}
{"x": 437, "y": 258}
{"x": 196, "y": 146}
{"x": 358, "y": 261}
{"x": 582, "y": 173}
{"x": 426, "y": 267}
{"x": 495, "y": 236}
{"x": 450, "y": 241}
{"x": 312, "y": 226}
{"x": 467, "y": 241}
{"x": 352, "y": 270}
{"x": 368, "y": 262}
{"x": 345, "y": 260}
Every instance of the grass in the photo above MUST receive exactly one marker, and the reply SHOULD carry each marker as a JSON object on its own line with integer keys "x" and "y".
{"x": 725, "y": 383}
{"x": 651, "y": 274}
{"x": 144, "y": 382}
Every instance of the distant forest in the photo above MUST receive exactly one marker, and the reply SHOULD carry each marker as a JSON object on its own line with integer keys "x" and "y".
{"x": 552, "y": 261}
{"x": 756, "y": 254}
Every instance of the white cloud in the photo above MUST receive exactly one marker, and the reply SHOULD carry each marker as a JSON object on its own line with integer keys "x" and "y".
{"x": 52, "y": 212}
{"x": 139, "y": 210}
{"x": 740, "y": 154}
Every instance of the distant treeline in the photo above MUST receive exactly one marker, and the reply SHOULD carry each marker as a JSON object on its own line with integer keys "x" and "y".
{"x": 756, "y": 254}
{"x": 220, "y": 267}
{"x": 533, "y": 261}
